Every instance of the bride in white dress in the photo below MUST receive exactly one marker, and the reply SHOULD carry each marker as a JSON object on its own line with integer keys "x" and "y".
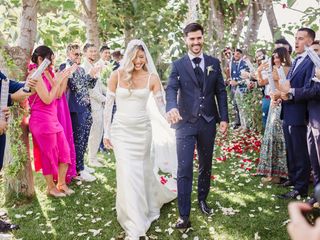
{"x": 141, "y": 139}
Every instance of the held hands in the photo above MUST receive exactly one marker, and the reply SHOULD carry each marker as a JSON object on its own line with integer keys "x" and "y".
{"x": 285, "y": 87}
{"x": 95, "y": 71}
{"x": 3, "y": 123}
{"x": 299, "y": 228}
{"x": 275, "y": 95}
{"x": 107, "y": 143}
{"x": 173, "y": 116}
{"x": 223, "y": 127}
{"x": 233, "y": 83}
{"x": 263, "y": 66}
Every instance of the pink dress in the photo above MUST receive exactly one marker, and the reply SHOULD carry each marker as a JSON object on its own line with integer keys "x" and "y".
{"x": 65, "y": 120}
{"x": 51, "y": 146}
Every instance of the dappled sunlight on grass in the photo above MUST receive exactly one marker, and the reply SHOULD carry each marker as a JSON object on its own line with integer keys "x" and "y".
{"x": 243, "y": 207}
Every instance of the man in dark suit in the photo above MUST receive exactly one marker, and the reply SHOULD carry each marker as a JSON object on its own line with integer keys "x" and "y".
{"x": 311, "y": 93}
{"x": 80, "y": 108}
{"x": 194, "y": 86}
{"x": 295, "y": 117}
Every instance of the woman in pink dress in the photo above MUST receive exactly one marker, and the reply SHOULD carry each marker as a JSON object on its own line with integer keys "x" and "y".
{"x": 50, "y": 141}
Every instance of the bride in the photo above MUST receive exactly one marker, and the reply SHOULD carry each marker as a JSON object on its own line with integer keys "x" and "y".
{"x": 141, "y": 139}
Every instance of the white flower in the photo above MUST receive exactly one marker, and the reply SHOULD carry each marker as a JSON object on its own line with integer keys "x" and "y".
{"x": 209, "y": 69}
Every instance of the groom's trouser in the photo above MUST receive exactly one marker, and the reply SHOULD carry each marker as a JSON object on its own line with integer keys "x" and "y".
{"x": 203, "y": 134}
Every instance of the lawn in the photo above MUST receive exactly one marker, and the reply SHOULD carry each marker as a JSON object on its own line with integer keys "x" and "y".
{"x": 243, "y": 207}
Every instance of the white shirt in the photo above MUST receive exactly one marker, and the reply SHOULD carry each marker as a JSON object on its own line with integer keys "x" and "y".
{"x": 201, "y": 63}
{"x": 303, "y": 56}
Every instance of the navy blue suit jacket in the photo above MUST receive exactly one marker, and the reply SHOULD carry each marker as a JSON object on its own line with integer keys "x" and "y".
{"x": 311, "y": 93}
{"x": 183, "y": 90}
{"x": 79, "y": 83}
{"x": 13, "y": 86}
{"x": 294, "y": 113}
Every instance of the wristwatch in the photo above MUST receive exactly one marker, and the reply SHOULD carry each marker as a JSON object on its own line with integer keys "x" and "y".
{"x": 290, "y": 96}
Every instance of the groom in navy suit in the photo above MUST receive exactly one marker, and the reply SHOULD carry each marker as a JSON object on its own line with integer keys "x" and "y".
{"x": 196, "y": 101}
{"x": 295, "y": 117}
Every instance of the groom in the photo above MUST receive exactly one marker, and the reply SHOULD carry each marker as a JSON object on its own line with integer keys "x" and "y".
{"x": 194, "y": 86}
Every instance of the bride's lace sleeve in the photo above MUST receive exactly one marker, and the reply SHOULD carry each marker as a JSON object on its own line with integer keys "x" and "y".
{"x": 159, "y": 99}
{"x": 110, "y": 97}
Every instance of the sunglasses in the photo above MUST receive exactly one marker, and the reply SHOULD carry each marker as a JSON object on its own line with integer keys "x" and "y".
{"x": 78, "y": 54}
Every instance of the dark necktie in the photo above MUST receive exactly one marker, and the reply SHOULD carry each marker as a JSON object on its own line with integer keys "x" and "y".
{"x": 198, "y": 71}
{"x": 294, "y": 64}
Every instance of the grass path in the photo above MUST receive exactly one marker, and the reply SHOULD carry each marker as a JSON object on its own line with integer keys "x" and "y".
{"x": 244, "y": 208}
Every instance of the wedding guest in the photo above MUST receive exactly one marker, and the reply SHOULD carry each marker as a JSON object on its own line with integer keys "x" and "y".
{"x": 97, "y": 100}
{"x": 273, "y": 157}
{"x": 79, "y": 84}
{"x": 140, "y": 195}
{"x": 311, "y": 93}
{"x": 282, "y": 42}
{"x": 116, "y": 57}
{"x": 261, "y": 59}
{"x": 295, "y": 117}
{"x": 47, "y": 131}
{"x": 238, "y": 88}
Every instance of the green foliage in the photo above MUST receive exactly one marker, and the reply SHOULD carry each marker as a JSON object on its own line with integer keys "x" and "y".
{"x": 18, "y": 148}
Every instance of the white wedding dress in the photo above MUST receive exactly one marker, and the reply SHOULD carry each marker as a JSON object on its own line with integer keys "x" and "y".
{"x": 140, "y": 195}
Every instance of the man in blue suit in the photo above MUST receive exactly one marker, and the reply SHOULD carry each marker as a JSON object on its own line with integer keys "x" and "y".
{"x": 194, "y": 86}
{"x": 80, "y": 108}
{"x": 311, "y": 93}
{"x": 295, "y": 117}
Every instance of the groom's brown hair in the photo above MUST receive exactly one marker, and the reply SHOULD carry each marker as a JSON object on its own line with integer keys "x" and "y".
{"x": 192, "y": 27}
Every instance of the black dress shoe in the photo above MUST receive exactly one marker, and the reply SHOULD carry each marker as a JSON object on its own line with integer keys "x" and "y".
{"x": 287, "y": 183}
{"x": 291, "y": 195}
{"x": 204, "y": 208}
{"x": 6, "y": 227}
{"x": 183, "y": 223}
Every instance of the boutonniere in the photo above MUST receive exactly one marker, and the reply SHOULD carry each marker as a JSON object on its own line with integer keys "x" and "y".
{"x": 209, "y": 69}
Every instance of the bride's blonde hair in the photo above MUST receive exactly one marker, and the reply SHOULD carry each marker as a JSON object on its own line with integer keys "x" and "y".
{"x": 128, "y": 66}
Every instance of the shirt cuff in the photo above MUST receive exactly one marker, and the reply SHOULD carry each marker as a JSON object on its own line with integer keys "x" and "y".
{"x": 292, "y": 91}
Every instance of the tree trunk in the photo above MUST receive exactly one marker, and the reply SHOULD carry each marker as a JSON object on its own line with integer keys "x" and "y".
{"x": 193, "y": 12}
{"x": 23, "y": 183}
{"x": 128, "y": 35}
{"x": 255, "y": 18}
{"x": 273, "y": 24}
{"x": 91, "y": 21}
{"x": 216, "y": 27}
{"x": 238, "y": 25}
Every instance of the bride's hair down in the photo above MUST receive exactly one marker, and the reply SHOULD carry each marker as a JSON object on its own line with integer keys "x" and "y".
{"x": 128, "y": 66}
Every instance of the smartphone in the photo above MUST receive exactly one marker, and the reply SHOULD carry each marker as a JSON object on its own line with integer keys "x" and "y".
{"x": 312, "y": 215}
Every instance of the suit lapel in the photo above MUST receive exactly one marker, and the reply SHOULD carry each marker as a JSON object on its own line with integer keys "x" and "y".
{"x": 189, "y": 68}
{"x": 300, "y": 66}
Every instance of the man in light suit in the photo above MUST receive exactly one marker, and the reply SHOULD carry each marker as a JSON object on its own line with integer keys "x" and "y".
{"x": 294, "y": 114}
{"x": 97, "y": 99}
{"x": 194, "y": 86}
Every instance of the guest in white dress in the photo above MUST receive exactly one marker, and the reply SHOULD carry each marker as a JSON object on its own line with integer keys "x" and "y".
{"x": 140, "y": 195}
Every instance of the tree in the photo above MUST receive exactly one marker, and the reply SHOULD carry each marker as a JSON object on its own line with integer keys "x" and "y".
{"x": 90, "y": 18}
{"x": 22, "y": 184}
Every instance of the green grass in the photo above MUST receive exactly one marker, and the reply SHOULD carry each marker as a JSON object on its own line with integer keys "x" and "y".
{"x": 256, "y": 211}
